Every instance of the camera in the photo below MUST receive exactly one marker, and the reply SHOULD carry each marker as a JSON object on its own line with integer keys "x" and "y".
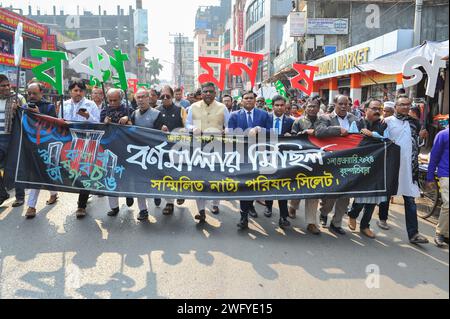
{"x": 32, "y": 105}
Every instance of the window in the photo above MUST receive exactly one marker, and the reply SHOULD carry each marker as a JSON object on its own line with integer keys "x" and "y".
{"x": 256, "y": 41}
{"x": 254, "y": 13}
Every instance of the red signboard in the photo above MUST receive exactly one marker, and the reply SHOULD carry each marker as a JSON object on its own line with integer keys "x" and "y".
{"x": 9, "y": 21}
{"x": 240, "y": 30}
{"x": 8, "y": 59}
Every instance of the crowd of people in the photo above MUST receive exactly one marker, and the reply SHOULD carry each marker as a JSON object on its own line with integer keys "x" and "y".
{"x": 167, "y": 110}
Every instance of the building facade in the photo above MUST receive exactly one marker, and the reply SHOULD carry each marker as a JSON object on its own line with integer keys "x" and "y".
{"x": 183, "y": 68}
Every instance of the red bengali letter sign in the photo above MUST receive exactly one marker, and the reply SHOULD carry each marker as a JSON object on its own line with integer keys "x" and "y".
{"x": 209, "y": 76}
{"x": 308, "y": 78}
{"x": 133, "y": 85}
{"x": 237, "y": 68}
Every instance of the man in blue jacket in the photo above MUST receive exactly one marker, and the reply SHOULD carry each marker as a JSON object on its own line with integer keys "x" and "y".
{"x": 252, "y": 121}
{"x": 439, "y": 160}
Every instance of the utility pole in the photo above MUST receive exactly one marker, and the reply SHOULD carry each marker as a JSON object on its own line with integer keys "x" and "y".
{"x": 179, "y": 45}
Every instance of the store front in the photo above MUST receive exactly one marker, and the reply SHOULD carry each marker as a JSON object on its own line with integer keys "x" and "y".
{"x": 35, "y": 36}
{"x": 341, "y": 74}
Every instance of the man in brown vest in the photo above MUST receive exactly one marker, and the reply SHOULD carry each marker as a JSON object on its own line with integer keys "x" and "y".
{"x": 207, "y": 116}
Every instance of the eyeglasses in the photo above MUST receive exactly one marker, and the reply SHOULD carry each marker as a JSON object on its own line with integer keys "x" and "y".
{"x": 165, "y": 97}
{"x": 4, "y": 85}
{"x": 404, "y": 104}
{"x": 208, "y": 91}
{"x": 375, "y": 108}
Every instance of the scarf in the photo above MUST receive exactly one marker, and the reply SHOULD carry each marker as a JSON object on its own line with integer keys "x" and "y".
{"x": 415, "y": 129}
{"x": 9, "y": 113}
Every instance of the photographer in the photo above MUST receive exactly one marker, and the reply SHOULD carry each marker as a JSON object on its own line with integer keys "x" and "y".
{"x": 37, "y": 104}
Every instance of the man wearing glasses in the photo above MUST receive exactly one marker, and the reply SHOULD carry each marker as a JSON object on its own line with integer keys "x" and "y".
{"x": 207, "y": 116}
{"x": 339, "y": 123}
{"x": 374, "y": 127}
{"x": 404, "y": 131}
{"x": 173, "y": 117}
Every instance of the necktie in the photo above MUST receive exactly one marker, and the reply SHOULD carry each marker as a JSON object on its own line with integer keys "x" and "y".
{"x": 277, "y": 125}
{"x": 249, "y": 119}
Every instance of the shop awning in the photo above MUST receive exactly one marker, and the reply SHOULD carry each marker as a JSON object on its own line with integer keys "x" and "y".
{"x": 393, "y": 63}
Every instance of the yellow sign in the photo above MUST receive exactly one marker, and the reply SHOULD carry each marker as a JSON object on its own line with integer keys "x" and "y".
{"x": 344, "y": 62}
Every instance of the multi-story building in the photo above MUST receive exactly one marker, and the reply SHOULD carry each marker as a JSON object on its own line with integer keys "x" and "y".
{"x": 209, "y": 26}
{"x": 117, "y": 29}
{"x": 263, "y": 25}
{"x": 183, "y": 68}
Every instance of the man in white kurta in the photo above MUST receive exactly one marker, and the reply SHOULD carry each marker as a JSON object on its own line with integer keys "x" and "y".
{"x": 402, "y": 131}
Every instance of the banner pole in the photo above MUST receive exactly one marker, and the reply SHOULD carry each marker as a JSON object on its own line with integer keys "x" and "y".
{"x": 62, "y": 105}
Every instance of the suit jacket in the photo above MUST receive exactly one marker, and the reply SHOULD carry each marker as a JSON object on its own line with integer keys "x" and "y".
{"x": 328, "y": 125}
{"x": 238, "y": 119}
{"x": 287, "y": 124}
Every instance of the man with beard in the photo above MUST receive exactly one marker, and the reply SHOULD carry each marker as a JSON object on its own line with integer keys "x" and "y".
{"x": 405, "y": 132}
{"x": 374, "y": 127}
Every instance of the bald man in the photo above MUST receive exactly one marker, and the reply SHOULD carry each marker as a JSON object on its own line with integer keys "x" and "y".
{"x": 115, "y": 112}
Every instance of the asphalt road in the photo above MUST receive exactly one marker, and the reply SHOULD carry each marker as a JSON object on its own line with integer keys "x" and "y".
{"x": 57, "y": 256}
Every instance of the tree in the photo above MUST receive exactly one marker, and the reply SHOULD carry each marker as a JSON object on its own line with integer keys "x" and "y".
{"x": 154, "y": 68}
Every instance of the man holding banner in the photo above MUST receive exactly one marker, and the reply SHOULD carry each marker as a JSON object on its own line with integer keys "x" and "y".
{"x": 255, "y": 121}
{"x": 80, "y": 109}
{"x": 8, "y": 109}
{"x": 210, "y": 116}
{"x": 339, "y": 123}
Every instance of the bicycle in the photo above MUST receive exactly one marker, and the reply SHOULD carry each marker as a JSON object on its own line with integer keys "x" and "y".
{"x": 430, "y": 198}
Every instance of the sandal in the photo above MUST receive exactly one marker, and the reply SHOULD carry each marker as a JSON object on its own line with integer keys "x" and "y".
{"x": 168, "y": 210}
{"x": 53, "y": 199}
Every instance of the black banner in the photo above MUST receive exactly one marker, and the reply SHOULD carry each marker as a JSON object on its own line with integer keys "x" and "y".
{"x": 130, "y": 161}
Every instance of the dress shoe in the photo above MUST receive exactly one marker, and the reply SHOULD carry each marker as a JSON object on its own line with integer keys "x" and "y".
{"x": 52, "y": 200}
{"x": 157, "y": 202}
{"x": 313, "y": 229}
{"x": 168, "y": 210}
{"x": 252, "y": 212}
{"x": 180, "y": 201}
{"x": 130, "y": 201}
{"x": 18, "y": 203}
{"x": 323, "y": 220}
{"x": 113, "y": 212}
{"x": 283, "y": 222}
{"x": 31, "y": 213}
{"x": 352, "y": 223}
{"x": 143, "y": 215}
{"x": 337, "y": 230}
{"x": 292, "y": 213}
{"x": 368, "y": 233}
{"x": 243, "y": 223}
{"x": 215, "y": 210}
{"x": 80, "y": 213}
{"x": 383, "y": 224}
{"x": 418, "y": 239}
{"x": 261, "y": 202}
{"x": 268, "y": 212}
{"x": 3, "y": 199}
{"x": 201, "y": 216}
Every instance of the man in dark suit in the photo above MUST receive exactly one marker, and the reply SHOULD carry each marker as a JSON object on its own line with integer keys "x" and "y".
{"x": 252, "y": 121}
{"x": 282, "y": 126}
{"x": 339, "y": 123}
